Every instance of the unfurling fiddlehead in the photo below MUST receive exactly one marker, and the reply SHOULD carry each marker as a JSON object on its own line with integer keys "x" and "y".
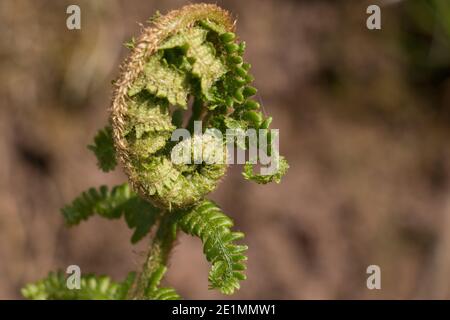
{"x": 188, "y": 57}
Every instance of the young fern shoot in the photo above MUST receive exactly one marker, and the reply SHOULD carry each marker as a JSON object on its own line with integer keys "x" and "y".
{"x": 190, "y": 54}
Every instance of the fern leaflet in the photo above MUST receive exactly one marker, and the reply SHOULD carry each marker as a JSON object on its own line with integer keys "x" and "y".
{"x": 139, "y": 214}
{"x": 54, "y": 287}
{"x": 104, "y": 150}
{"x": 283, "y": 166}
{"x": 212, "y": 226}
{"x": 154, "y": 292}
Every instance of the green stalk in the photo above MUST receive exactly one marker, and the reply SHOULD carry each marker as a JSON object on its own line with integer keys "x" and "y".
{"x": 157, "y": 257}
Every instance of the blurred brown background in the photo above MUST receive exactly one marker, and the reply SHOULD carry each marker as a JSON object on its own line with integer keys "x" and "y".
{"x": 364, "y": 122}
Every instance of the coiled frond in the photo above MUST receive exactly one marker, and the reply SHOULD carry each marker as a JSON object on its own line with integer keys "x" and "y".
{"x": 212, "y": 226}
{"x": 190, "y": 53}
{"x": 264, "y": 179}
{"x": 54, "y": 287}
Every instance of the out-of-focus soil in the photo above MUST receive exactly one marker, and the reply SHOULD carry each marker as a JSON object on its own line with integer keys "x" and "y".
{"x": 368, "y": 150}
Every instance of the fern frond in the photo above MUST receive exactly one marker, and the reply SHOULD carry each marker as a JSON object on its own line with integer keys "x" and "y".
{"x": 283, "y": 167}
{"x": 190, "y": 54}
{"x": 163, "y": 81}
{"x": 212, "y": 226}
{"x": 154, "y": 292}
{"x": 139, "y": 214}
{"x": 165, "y": 294}
{"x": 104, "y": 150}
{"x": 54, "y": 287}
{"x": 103, "y": 202}
{"x": 126, "y": 285}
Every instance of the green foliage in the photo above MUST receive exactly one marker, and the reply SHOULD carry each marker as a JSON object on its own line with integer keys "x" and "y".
{"x": 154, "y": 292}
{"x": 212, "y": 226}
{"x": 205, "y": 62}
{"x": 92, "y": 287}
{"x": 103, "y": 149}
{"x": 112, "y": 204}
{"x": 162, "y": 81}
{"x": 264, "y": 179}
{"x": 197, "y": 58}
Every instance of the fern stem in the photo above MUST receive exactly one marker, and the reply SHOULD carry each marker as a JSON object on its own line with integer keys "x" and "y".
{"x": 157, "y": 257}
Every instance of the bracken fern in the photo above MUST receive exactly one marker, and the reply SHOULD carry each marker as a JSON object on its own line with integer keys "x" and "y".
{"x": 190, "y": 54}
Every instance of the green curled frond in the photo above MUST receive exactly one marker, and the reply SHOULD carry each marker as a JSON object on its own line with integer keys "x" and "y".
{"x": 190, "y": 54}
{"x": 207, "y": 222}
{"x": 165, "y": 294}
{"x": 54, "y": 287}
{"x": 282, "y": 165}
{"x": 112, "y": 204}
{"x": 104, "y": 150}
